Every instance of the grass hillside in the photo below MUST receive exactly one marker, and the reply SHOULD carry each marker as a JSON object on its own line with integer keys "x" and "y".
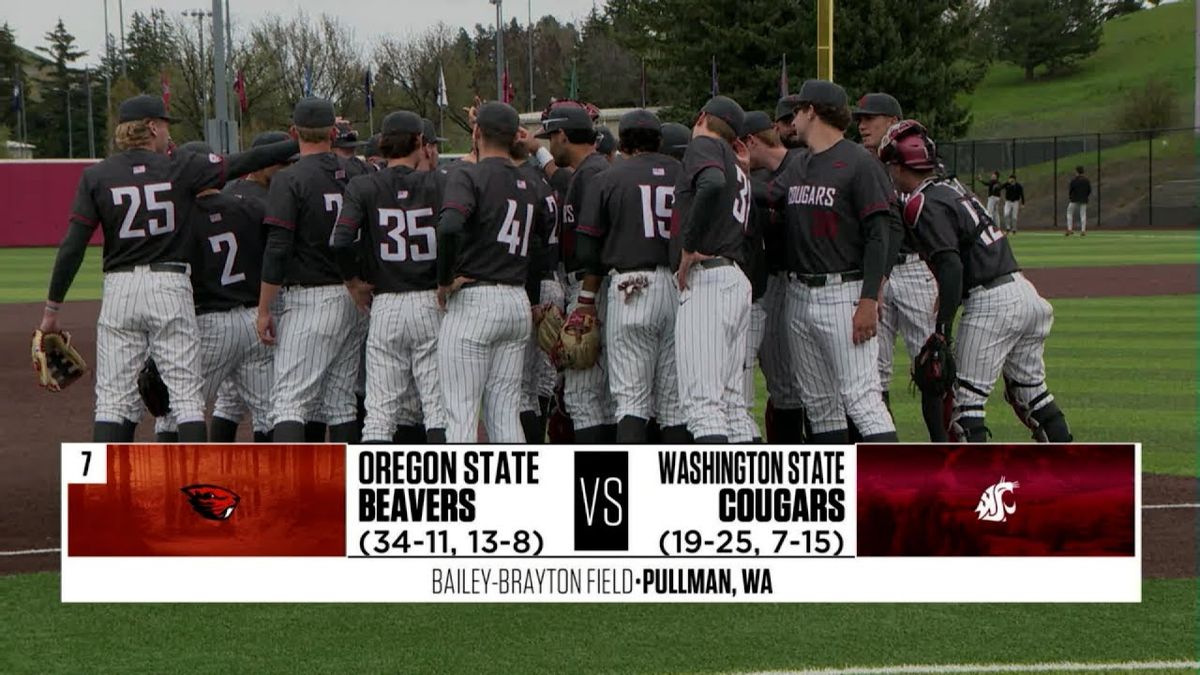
{"x": 1152, "y": 42}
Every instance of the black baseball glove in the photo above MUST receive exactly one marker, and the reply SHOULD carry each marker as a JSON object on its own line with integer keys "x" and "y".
{"x": 153, "y": 390}
{"x": 933, "y": 371}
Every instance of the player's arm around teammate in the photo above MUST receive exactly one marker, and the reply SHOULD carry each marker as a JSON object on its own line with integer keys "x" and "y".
{"x": 395, "y": 210}
{"x": 485, "y": 230}
{"x": 624, "y": 231}
{"x": 1005, "y": 322}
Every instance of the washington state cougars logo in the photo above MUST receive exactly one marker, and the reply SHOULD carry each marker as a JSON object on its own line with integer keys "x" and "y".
{"x": 992, "y": 506}
{"x": 212, "y": 502}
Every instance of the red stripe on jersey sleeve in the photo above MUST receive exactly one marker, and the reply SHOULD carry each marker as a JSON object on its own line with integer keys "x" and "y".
{"x": 82, "y": 220}
{"x": 589, "y": 230}
{"x": 873, "y": 208}
{"x": 457, "y": 207}
{"x": 269, "y": 220}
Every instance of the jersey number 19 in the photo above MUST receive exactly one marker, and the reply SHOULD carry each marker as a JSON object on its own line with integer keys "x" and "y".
{"x": 657, "y": 201}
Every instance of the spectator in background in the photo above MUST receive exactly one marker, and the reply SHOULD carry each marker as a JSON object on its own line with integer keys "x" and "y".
{"x": 1014, "y": 199}
{"x": 994, "y": 186}
{"x": 1078, "y": 194}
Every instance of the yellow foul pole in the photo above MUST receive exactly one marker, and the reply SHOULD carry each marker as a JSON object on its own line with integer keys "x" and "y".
{"x": 825, "y": 39}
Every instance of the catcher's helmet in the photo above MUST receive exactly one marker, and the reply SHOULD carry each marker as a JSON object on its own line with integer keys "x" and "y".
{"x": 908, "y": 144}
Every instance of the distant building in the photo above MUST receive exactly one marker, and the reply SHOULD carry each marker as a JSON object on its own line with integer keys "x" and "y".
{"x": 19, "y": 150}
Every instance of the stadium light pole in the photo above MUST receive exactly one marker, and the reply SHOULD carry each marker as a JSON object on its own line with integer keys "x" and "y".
{"x": 199, "y": 15}
{"x": 531, "y": 108}
{"x": 499, "y": 48}
{"x": 121, "y": 21}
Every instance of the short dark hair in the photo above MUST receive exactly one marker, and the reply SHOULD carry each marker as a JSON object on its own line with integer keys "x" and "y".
{"x": 580, "y": 136}
{"x": 396, "y": 144}
{"x": 721, "y": 128}
{"x": 640, "y": 140}
{"x": 837, "y": 117}
{"x": 497, "y": 139}
{"x": 1012, "y": 176}
{"x": 1079, "y": 169}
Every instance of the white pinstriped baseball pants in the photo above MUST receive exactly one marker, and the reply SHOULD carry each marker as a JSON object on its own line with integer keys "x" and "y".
{"x": 640, "y": 334}
{"x": 710, "y": 348}
{"x": 540, "y": 377}
{"x": 1002, "y": 330}
{"x": 231, "y": 354}
{"x": 837, "y": 378}
{"x": 585, "y": 392}
{"x": 402, "y": 363}
{"x": 909, "y": 308}
{"x": 316, "y": 356}
{"x": 775, "y": 356}
{"x": 145, "y": 313}
{"x": 754, "y": 341}
{"x": 481, "y": 356}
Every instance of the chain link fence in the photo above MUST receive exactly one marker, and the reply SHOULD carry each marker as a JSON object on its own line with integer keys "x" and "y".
{"x": 1140, "y": 179}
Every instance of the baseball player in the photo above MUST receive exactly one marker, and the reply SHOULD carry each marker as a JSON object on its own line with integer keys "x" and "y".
{"x": 624, "y": 231}
{"x": 430, "y": 156}
{"x": 346, "y": 145}
{"x": 769, "y": 158}
{"x": 493, "y": 224}
{"x": 317, "y": 343}
{"x": 675, "y": 139}
{"x": 140, "y": 197}
{"x": 1014, "y": 199}
{"x": 606, "y": 143}
{"x": 908, "y": 303}
{"x": 708, "y": 251}
{"x": 994, "y": 188}
{"x": 1005, "y": 322}
{"x": 371, "y": 153}
{"x": 229, "y": 408}
{"x": 785, "y": 112}
{"x": 586, "y": 392}
{"x": 395, "y": 210}
{"x": 225, "y": 280}
{"x": 836, "y": 200}
{"x": 1078, "y": 193}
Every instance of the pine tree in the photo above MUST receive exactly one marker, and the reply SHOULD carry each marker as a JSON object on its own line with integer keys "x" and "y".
{"x": 49, "y": 128}
{"x": 1052, "y": 34}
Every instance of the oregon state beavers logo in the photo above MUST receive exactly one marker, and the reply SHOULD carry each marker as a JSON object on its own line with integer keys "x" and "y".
{"x": 212, "y": 502}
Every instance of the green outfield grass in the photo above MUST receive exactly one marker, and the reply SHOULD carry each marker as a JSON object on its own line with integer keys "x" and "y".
{"x": 42, "y": 635}
{"x": 25, "y": 272}
{"x": 1123, "y": 369}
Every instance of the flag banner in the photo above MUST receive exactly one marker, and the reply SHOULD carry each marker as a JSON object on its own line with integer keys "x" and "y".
{"x": 239, "y": 86}
{"x": 308, "y": 81}
{"x": 442, "y": 99}
{"x": 509, "y": 93}
{"x": 166, "y": 91}
{"x": 872, "y": 523}
{"x": 370, "y": 96}
{"x": 17, "y": 103}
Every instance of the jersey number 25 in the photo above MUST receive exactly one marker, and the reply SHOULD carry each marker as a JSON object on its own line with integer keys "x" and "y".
{"x": 133, "y": 195}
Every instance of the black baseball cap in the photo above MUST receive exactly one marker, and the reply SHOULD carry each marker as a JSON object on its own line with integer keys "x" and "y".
{"x": 639, "y": 119}
{"x": 786, "y": 107}
{"x": 499, "y": 118}
{"x": 430, "y": 132}
{"x": 269, "y": 137}
{"x": 726, "y": 110}
{"x": 878, "y": 104}
{"x": 346, "y": 137}
{"x": 675, "y": 137}
{"x": 566, "y": 118}
{"x": 402, "y": 121}
{"x": 823, "y": 92}
{"x": 606, "y": 143}
{"x": 313, "y": 113}
{"x": 371, "y": 147}
{"x": 143, "y": 107}
{"x": 756, "y": 121}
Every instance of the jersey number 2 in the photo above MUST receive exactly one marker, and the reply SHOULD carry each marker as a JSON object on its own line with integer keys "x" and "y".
{"x": 133, "y": 195}
{"x": 511, "y": 232}
{"x": 229, "y": 241}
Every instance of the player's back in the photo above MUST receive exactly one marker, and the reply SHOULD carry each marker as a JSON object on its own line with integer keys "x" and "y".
{"x": 638, "y": 197}
{"x": 725, "y": 234}
{"x": 244, "y": 187}
{"x": 983, "y": 247}
{"x": 399, "y": 209}
{"x": 504, "y": 208}
{"x": 307, "y": 197}
{"x": 230, "y": 238}
{"x": 141, "y": 200}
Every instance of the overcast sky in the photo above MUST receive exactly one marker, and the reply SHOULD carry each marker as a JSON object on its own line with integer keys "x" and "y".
{"x": 85, "y": 18}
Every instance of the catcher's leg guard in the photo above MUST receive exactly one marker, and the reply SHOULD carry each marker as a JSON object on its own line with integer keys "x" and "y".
{"x": 314, "y": 432}
{"x": 885, "y": 437}
{"x": 1053, "y": 423}
{"x": 971, "y": 430}
{"x": 676, "y": 435}
{"x": 166, "y": 436}
{"x": 532, "y": 426}
{"x": 631, "y": 429}
{"x": 221, "y": 430}
{"x": 408, "y": 434}
{"x": 193, "y": 432}
{"x": 289, "y": 432}
{"x": 839, "y": 437}
{"x": 435, "y": 436}
{"x": 713, "y": 438}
